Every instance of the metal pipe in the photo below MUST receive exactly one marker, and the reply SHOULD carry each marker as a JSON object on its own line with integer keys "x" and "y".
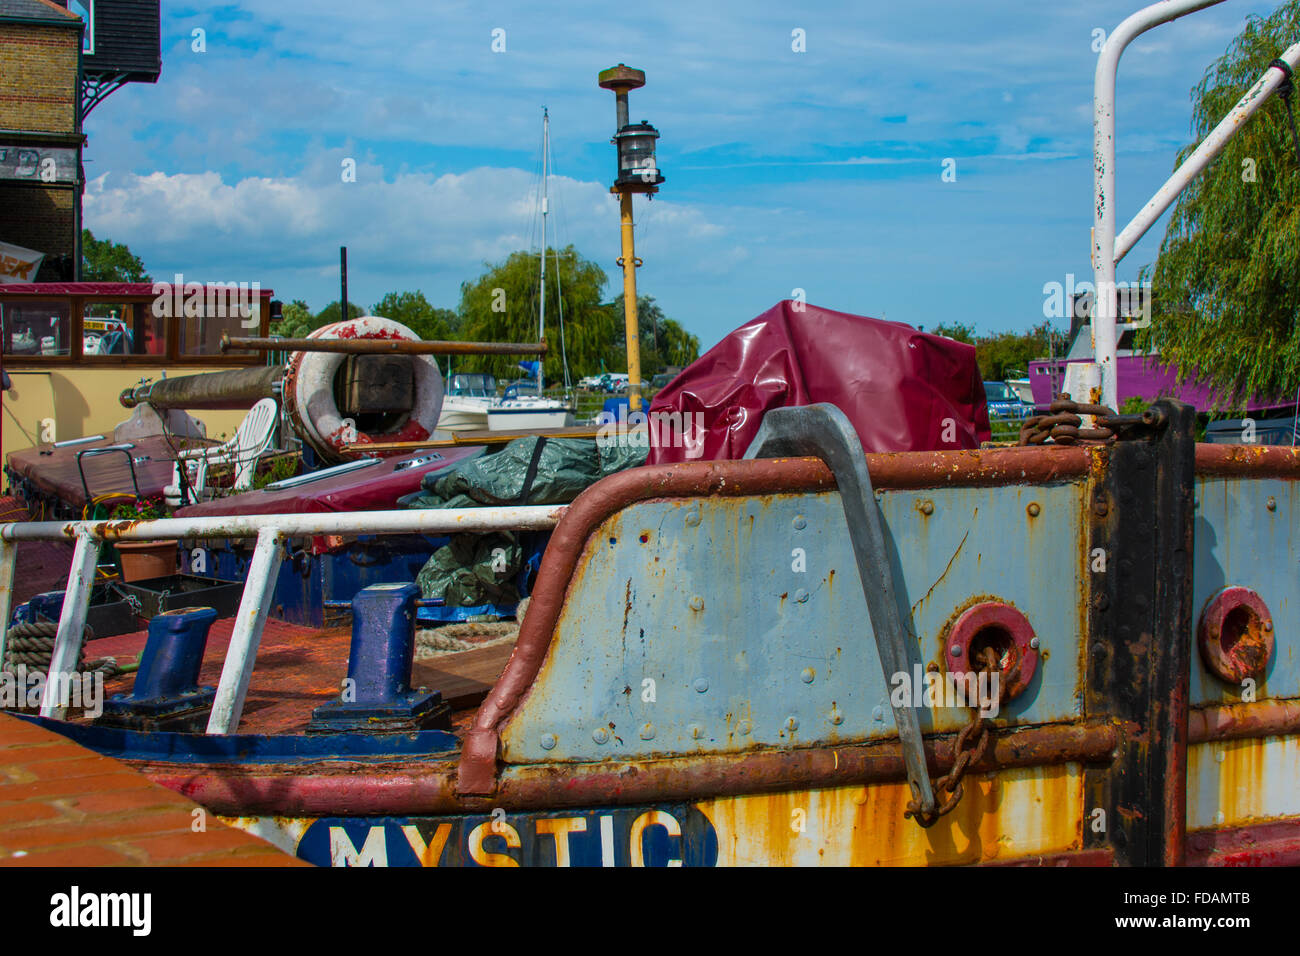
{"x": 1105, "y": 301}
{"x": 1263, "y": 718}
{"x": 1210, "y": 147}
{"x": 541, "y": 312}
{"x": 383, "y": 346}
{"x": 343, "y": 279}
{"x": 419, "y": 521}
{"x": 432, "y": 786}
{"x": 241, "y": 655}
{"x": 270, "y": 531}
{"x": 236, "y": 388}
{"x": 72, "y": 622}
{"x": 628, "y": 261}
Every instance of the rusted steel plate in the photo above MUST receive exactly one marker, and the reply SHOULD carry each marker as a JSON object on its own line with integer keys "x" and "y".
{"x": 403, "y": 788}
{"x": 1246, "y": 536}
{"x": 1269, "y": 844}
{"x": 911, "y": 469}
{"x": 738, "y": 623}
{"x": 1232, "y": 782}
{"x": 1021, "y": 813}
{"x": 719, "y": 479}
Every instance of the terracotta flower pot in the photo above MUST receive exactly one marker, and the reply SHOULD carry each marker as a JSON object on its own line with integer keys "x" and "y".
{"x": 142, "y": 560}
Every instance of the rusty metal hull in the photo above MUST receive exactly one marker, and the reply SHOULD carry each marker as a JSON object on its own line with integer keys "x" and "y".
{"x": 696, "y": 681}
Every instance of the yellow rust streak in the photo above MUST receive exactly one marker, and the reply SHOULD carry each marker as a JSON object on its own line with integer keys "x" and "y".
{"x": 1234, "y": 782}
{"x": 1018, "y": 813}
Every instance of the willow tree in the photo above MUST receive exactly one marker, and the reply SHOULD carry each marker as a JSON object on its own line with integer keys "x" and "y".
{"x": 502, "y": 305}
{"x": 1227, "y": 279}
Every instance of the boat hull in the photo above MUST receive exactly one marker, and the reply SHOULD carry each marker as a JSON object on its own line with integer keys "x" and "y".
{"x": 736, "y": 711}
{"x": 512, "y": 419}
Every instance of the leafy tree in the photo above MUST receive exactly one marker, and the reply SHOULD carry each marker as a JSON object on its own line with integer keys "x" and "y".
{"x": 333, "y": 312}
{"x": 663, "y": 340}
{"x": 502, "y": 305}
{"x": 956, "y": 331}
{"x": 413, "y": 310}
{"x": 1227, "y": 280}
{"x": 103, "y": 260}
{"x": 1001, "y": 354}
{"x": 295, "y": 322}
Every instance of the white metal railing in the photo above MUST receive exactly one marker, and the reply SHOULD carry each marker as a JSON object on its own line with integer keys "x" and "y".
{"x": 1107, "y": 248}
{"x": 271, "y": 531}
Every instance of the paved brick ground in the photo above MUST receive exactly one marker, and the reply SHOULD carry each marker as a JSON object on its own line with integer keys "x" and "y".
{"x": 64, "y": 805}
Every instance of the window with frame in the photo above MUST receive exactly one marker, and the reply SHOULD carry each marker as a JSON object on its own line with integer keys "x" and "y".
{"x": 123, "y": 328}
{"x": 230, "y": 313}
{"x": 36, "y": 327}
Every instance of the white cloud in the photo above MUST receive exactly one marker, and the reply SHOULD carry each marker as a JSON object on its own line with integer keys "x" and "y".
{"x": 411, "y": 226}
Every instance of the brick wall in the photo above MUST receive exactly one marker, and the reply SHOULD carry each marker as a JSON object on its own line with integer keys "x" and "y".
{"x": 40, "y": 218}
{"x": 63, "y": 805}
{"x": 38, "y": 78}
{"x": 38, "y": 94}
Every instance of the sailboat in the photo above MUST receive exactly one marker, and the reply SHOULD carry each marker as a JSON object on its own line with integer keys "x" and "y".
{"x": 471, "y": 401}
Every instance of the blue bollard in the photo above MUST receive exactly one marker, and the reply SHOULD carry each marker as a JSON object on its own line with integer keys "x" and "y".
{"x": 166, "y": 695}
{"x": 377, "y": 696}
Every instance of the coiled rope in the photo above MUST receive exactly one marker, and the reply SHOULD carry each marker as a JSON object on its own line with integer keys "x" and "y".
{"x": 32, "y": 644}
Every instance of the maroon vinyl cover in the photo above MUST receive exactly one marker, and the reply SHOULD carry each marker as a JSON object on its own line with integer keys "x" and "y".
{"x": 903, "y": 390}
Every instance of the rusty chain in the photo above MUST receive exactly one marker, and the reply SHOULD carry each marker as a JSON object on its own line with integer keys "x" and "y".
{"x": 1064, "y": 424}
{"x": 967, "y": 754}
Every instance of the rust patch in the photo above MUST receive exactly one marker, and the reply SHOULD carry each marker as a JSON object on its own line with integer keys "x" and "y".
{"x": 1265, "y": 718}
{"x": 1247, "y": 461}
{"x": 627, "y": 604}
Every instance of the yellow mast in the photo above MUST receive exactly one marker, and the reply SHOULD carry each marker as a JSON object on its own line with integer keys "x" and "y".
{"x": 638, "y": 172}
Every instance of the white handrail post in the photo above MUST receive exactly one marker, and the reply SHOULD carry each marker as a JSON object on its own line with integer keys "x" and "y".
{"x": 72, "y": 622}
{"x": 1105, "y": 304}
{"x": 8, "y": 561}
{"x": 241, "y": 655}
{"x": 1210, "y": 147}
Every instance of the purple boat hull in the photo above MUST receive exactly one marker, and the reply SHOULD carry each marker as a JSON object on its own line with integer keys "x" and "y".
{"x": 1138, "y": 375}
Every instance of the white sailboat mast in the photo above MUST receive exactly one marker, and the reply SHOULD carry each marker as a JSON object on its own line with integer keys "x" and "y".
{"x": 541, "y": 315}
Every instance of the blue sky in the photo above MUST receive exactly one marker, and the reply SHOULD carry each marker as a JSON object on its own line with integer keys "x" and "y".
{"x": 818, "y": 170}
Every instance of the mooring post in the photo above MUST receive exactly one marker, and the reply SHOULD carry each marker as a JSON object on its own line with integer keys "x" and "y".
{"x": 1139, "y": 638}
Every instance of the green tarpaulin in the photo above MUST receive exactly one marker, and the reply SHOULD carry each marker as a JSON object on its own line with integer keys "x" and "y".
{"x": 477, "y": 569}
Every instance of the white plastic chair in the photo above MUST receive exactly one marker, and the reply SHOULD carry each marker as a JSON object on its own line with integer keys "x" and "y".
{"x": 251, "y": 439}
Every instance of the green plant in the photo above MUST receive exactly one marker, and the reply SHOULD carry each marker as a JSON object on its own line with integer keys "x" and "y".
{"x": 1134, "y": 405}
{"x": 148, "y": 509}
{"x": 278, "y": 470}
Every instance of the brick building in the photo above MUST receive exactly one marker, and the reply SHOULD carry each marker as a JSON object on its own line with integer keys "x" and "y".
{"x": 40, "y": 132}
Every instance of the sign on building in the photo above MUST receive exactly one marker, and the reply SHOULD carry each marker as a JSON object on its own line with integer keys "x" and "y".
{"x": 18, "y": 264}
{"x": 38, "y": 164}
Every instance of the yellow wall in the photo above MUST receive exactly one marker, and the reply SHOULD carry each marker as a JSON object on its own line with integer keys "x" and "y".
{"x": 83, "y": 401}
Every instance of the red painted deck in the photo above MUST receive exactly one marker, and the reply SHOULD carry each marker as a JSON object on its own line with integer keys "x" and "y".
{"x": 63, "y": 805}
